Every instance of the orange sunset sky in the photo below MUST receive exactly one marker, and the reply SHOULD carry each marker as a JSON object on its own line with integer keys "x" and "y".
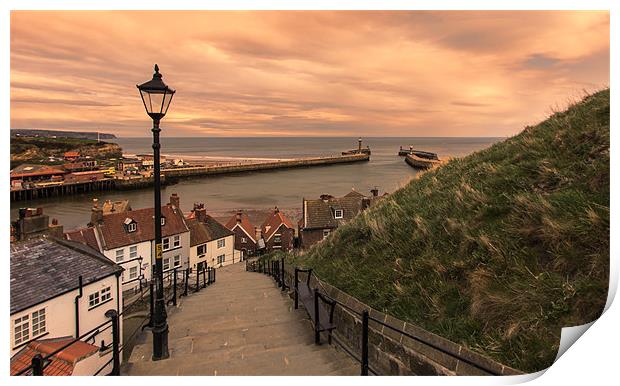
{"x": 302, "y": 73}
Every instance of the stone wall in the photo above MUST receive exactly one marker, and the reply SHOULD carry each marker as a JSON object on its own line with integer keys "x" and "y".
{"x": 391, "y": 352}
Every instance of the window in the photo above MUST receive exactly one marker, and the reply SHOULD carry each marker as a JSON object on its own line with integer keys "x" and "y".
{"x": 221, "y": 243}
{"x": 166, "y": 263}
{"x": 202, "y": 249}
{"x": 177, "y": 261}
{"x": 163, "y": 221}
{"x": 106, "y": 293}
{"x": 38, "y": 322}
{"x": 338, "y": 213}
{"x": 166, "y": 244}
{"x": 177, "y": 241}
{"x": 132, "y": 227}
{"x": 133, "y": 252}
{"x": 244, "y": 240}
{"x": 93, "y": 299}
{"x": 133, "y": 272}
{"x": 120, "y": 255}
{"x": 325, "y": 233}
{"x": 221, "y": 259}
{"x": 21, "y": 329}
{"x": 277, "y": 238}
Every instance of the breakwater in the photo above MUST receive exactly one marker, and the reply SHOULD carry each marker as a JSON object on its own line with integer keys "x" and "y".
{"x": 170, "y": 176}
{"x": 250, "y": 167}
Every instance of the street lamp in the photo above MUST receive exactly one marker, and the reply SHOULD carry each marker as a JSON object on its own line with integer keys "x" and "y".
{"x": 156, "y": 97}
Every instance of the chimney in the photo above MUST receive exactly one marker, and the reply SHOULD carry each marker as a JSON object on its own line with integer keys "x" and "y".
{"x": 238, "y": 217}
{"x": 200, "y": 212}
{"x": 32, "y": 222}
{"x": 326, "y": 197}
{"x": 175, "y": 200}
{"x": 56, "y": 230}
{"x": 258, "y": 233}
{"x": 374, "y": 191}
{"x": 359, "y": 143}
{"x": 96, "y": 215}
{"x": 276, "y": 210}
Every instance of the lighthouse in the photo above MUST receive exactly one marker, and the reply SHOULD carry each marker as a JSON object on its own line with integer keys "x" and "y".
{"x": 359, "y": 145}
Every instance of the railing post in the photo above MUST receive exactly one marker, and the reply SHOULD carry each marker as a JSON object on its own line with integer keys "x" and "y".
{"x": 37, "y": 365}
{"x": 197, "y": 281}
{"x": 296, "y": 287}
{"x": 174, "y": 292}
{"x": 116, "y": 357}
{"x": 214, "y": 275}
{"x": 365, "y": 342}
{"x": 317, "y": 333}
{"x": 282, "y": 274}
{"x": 186, "y": 281}
{"x": 204, "y": 277}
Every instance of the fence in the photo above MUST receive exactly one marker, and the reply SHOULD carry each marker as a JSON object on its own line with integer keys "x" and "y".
{"x": 361, "y": 328}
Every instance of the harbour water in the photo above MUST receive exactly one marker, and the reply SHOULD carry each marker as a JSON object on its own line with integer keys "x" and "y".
{"x": 263, "y": 190}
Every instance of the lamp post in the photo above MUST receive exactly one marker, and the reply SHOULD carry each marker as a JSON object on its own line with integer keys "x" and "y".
{"x": 156, "y": 97}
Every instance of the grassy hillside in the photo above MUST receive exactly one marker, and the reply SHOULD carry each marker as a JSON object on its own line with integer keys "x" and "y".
{"x": 497, "y": 250}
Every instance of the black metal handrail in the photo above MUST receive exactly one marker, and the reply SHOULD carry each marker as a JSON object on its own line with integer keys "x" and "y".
{"x": 365, "y": 317}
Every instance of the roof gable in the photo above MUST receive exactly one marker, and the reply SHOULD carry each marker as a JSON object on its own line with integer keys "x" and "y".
{"x": 320, "y": 213}
{"x": 209, "y": 230}
{"x": 245, "y": 225}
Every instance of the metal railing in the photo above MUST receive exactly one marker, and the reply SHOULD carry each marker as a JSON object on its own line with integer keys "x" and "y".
{"x": 276, "y": 270}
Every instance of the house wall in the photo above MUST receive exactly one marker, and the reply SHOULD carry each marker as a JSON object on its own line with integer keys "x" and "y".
{"x": 287, "y": 235}
{"x": 309, "y": 237}
{"x": 249, "y": 245}
{"x": 143, "y": 266}
{"x": 183, "y": 250}
{"x": 228, "y": 251}
{"x": 60, "y": 316}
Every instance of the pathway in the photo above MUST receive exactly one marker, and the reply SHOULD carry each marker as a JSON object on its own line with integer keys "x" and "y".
{"x": 241, "y": 325}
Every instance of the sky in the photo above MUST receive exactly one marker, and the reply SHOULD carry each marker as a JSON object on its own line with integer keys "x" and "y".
{"x": 305, "y": 73}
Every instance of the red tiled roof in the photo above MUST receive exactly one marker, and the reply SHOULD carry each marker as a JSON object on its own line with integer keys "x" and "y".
{"x": 62, "y": 363}
{"x": 84, "y": 236}
{"x": 245, "y": 224}
{"x": 72, "y": 154}
{"x": 273, "y": 222}
{"x": 114, "y": 234}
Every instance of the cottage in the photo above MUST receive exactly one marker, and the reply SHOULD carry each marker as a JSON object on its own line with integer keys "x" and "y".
{"x": 128, "y": 239}
{"x": 211, "y": 243}
{"x": 321, "y": 217}
{"x": 245, "y": 235}
{"x": 278, "y": 232}
{"x": 60, "y": 290}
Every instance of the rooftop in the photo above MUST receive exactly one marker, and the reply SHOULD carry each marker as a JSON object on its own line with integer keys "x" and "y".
{"x": 45, "y": 267}
{"x": 207, "y": 230}
{"x": 61, "y": 363}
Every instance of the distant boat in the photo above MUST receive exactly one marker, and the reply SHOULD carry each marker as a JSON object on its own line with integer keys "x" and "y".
{"x": 418, "y": 162}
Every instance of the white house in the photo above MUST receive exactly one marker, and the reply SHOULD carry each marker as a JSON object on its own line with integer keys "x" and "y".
{"x": 61, "y": 290}
{"x": 211, "y": 243}
{"x": 128, "y": 239}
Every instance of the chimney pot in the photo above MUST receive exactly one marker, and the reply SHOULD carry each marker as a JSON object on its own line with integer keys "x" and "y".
{"x": 238, "y": 217}
{"x": 175, "y": 200}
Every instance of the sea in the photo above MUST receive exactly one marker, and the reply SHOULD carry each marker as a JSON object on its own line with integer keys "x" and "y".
{"x": 264, "y": 189}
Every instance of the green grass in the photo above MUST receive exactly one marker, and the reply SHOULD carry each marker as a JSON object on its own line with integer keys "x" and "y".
{"x": 498, "y": 250}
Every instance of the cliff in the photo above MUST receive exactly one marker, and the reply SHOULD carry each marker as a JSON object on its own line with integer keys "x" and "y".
{"x": 39, "y": 149}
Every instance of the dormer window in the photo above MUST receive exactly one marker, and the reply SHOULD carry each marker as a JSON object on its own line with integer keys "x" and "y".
{"x": 338, "y": 213}
{"x": 130, "y": 225}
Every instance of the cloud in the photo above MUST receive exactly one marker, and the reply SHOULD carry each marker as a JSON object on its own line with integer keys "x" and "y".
{"x": 305, "y": 72}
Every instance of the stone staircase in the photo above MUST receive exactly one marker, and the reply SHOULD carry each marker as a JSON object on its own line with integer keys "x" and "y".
{"x": 241, "y": 325}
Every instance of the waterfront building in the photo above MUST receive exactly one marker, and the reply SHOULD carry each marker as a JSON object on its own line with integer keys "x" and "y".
{"x": 211, "y": 243}
{"x": 245, "y": 235}
{"x": 129, "y": 165}
{"x": 60, "y": 290}
{"x": 322, "y": 216}
{"x": 128, "y": 239}
{"x": 28, "y": 173}
{"x": 71, "y": 156}
{"x": 278, "y": 232}
{"x": 110, "y": 207}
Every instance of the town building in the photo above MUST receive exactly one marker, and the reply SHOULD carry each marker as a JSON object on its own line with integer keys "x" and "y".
{"x": 322, "y": 216}
{"x": 110, "y": 207}
{"x": 129, "y": 165}
{"x": 245, "y": 235}
{"x": 33, "y": 223}
{"x": 128, "y": 239}
{"x": 147, "y": 160}
{"x": 211, "y": 243}
{"x": 278, "y": 232}
{"x": 61, "y": 290}
{"x": 71, "y": 156}
{"x": 86, "y": 176}
{"x": 30, "y": 173}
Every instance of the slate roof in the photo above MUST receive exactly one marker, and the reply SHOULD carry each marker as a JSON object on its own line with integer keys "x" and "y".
{"x": 273, "y": 222}
{"x": 113, "y": 231}
{"x": 61, "y": 363}
{"x": 320, "y": 213}
{"x": 245, "y": 224}
{"x": 209, "y": 230}
{"x": 44, "y": 267}
{"x": 84, "y": 236}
